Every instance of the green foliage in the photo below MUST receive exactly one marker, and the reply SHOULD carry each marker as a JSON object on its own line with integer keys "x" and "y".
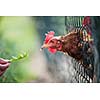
{"x": 20, "y": 56}
{"x": 18, "y": 34}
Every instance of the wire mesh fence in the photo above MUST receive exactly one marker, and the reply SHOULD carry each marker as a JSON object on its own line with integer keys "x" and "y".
{"x": 83, "y": 71}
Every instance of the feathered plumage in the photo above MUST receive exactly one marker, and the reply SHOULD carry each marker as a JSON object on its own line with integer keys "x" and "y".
{"x": 70, "y": 43}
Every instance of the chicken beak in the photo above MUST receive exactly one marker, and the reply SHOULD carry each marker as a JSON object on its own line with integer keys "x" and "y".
{"x": 45, "y": 46}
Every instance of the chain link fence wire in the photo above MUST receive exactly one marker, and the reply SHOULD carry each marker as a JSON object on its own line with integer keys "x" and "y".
{"x": 83, "y": 72}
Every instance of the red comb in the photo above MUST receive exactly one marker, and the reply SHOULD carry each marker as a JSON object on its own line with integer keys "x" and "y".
{"x": 49, "y": 36}
{"x": 86, "y": 21}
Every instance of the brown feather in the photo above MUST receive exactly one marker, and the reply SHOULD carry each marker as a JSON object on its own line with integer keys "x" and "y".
{"x": 71, "y": 45}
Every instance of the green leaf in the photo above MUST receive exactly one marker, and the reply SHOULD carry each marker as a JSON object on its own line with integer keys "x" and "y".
{"x": 21, "y": 56}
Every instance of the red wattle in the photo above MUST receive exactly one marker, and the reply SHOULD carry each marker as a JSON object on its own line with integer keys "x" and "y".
{"x": 52, "y": 50}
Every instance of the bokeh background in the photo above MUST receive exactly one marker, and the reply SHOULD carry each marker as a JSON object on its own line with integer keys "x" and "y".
{"x": 20, "y": 34}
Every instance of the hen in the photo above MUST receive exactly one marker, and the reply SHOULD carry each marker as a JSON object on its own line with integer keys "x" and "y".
{"x": 75, "y": 43}
{"x": 71, "y": 44}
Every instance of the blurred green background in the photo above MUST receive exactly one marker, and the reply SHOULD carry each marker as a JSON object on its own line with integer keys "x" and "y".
{"x": 20, "y": 34}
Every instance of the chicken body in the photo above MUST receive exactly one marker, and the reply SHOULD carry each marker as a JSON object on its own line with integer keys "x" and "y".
{"x": 71, "y": 44}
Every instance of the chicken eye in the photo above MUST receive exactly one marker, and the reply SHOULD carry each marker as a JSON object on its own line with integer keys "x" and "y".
{"x": 58, "y": 42}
